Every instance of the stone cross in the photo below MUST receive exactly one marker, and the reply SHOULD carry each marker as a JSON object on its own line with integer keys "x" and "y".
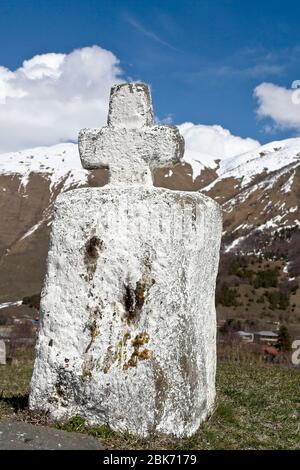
{"x": 131, "y": 147}
{"x": 128, "y": 322}
{"x": 2, "y": 352}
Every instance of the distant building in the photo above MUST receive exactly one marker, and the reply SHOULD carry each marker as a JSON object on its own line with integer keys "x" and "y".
{"x": 266, "y": 337}
{"x": 245, "y": 336}
{"x": 5, "y": 331}
{"x": 2, "y": 352}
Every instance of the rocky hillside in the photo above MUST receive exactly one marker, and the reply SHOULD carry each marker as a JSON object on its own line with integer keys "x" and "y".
{"x": 29, "y": 183}
{"x": 258, "y": 190}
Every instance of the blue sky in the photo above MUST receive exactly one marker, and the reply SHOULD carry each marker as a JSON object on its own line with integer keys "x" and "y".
{"x": 203, "y": 59}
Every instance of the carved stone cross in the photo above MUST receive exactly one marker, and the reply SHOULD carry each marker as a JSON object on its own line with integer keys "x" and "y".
{"x": 130, "y": 146}
{"x": 128, "y": 321}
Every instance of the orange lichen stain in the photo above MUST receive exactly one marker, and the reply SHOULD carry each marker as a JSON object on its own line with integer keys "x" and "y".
{"x": 137, "y": 354}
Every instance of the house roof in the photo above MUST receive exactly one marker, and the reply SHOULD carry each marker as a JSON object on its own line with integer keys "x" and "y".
{"x": 267, "y": 333}
{"x": 244, "y": 333}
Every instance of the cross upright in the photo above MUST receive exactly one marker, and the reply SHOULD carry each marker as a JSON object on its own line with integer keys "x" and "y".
{"x": 130, "y": 146}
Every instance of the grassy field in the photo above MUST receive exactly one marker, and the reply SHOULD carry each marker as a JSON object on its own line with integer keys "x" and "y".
{"x": 257, "y": 407}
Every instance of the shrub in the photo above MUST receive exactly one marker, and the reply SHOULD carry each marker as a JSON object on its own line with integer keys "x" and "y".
{"x": 277, "y": 300}
{"x": 284, "y": 339}
{"x": 226, "y": 296}
{"x": 230, "y": 326}
{"x": 267, "y": 278}
{"x": 32, "y": 301}
{"x": 293, "y": 287}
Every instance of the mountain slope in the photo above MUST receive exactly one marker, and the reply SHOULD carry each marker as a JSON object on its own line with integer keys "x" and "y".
{"x": 58, "y": 163}
{"x": 259, "y": 191}
{"x": 30, "y": 181}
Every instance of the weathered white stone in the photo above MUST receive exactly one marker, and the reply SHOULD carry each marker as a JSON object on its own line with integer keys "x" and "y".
{"x": 130, "y": 146}
{"x": 128, "y": 325}
{"x": 130, "y": 105}
{"x": 2, "y": 352}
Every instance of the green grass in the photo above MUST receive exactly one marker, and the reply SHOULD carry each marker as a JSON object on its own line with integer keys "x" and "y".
{"x": 257, "y": 407}
{"x": 14, "y": 382}
{"x": 74, "y": 424}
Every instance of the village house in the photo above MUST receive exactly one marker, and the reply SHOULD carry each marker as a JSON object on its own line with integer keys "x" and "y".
{"x": 245, "y": 336}
{"x": 5, "y": 331}
{"x": 266, "y": 337}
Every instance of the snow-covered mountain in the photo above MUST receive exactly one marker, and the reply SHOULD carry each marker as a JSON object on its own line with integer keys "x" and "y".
{"x": 30, "y": 180}
{"x": 258, "y": 190}
{"x": 267, "y": 158}
{"x": 205, "y": 145}
{"x": 58, "y": 163}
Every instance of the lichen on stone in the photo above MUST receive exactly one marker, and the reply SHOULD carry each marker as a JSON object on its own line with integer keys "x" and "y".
{"x": 137, "y": 354}
{"x": 135, "y": 297}
{"x": 92, "y": 248}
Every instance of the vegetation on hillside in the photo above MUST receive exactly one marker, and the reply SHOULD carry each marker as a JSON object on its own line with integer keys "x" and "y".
{"x": 284, "y": 342}
{"x": 257, "y": 287}
{"x": 33, "y": 301}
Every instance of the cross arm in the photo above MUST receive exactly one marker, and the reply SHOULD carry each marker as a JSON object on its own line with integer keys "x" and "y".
{"x": 89, "y": 156}
{"x": 167, "y": 146}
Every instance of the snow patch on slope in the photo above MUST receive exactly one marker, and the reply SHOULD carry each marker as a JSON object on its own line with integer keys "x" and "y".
{"x": 270, "y": 157}
{"x": 32, "y": 230}
{"x": 59, "y": 162}
{"x": 206, "y": 144}
{"x": 11, "y": 304}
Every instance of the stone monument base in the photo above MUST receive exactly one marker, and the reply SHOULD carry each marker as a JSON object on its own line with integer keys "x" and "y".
{"x": 128, "y": 324}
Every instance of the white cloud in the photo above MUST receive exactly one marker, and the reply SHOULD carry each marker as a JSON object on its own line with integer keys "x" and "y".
{"x": 205, "y": 144}
{"x": 52, "y": 96}
{"x": 280, "y": 104}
